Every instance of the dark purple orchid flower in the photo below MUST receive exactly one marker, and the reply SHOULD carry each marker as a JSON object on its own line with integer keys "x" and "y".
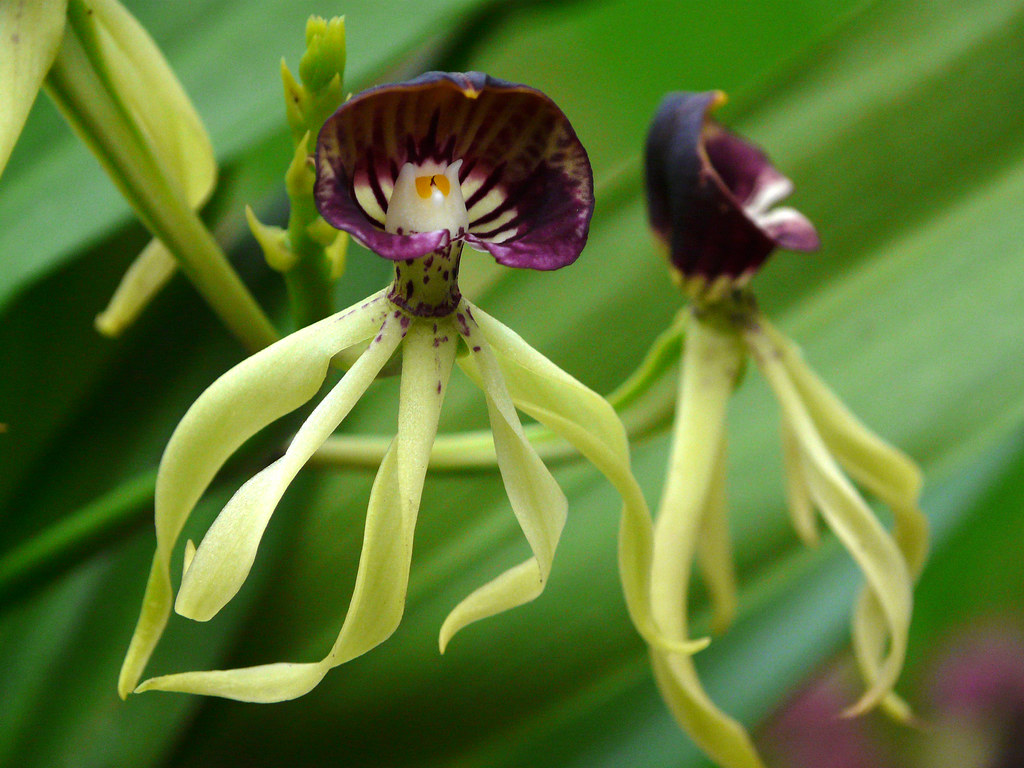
{"x": 710, "y": 194}
{"x": 500, "y": 161}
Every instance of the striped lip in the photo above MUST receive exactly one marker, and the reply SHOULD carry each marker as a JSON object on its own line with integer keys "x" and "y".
{"x": 524, "y": 177}
{"x": 710, "y": 194}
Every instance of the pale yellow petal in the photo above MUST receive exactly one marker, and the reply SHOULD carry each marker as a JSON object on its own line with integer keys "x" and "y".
{"x": 712, "y": 360}
{"x": 538, "y": 502}
{"x": 30, "y": 35}
{"x": 886, "y": 472}
{"x": 801, "y": 511}
{"x": 378, "y": 599}
{"x": 717, "y": 734}
{"x": 714, "y": 552}
{"x": 583, "y": 418}
{"x": 848, "y": 515}
{"x": 228, "y": 550}
{"x": 251, "y": 395}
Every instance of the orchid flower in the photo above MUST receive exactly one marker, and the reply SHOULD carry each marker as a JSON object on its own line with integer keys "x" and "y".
{"x": 414, "y": 171}
{"x": 712, "y": 201}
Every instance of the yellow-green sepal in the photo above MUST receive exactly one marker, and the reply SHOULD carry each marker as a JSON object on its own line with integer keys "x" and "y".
{"x": 32, "y": 33}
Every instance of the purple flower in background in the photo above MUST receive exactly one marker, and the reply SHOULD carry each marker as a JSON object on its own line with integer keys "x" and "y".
{"x": 498, "y": 163}
{"x": 976, "y": 692}
{"x": 808, "y": 732}
{"x": 710, "y": 195}
{"x": 711, "y": 200}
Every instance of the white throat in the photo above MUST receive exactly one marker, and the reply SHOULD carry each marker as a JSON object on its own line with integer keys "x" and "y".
{"x": 427, "y": 198}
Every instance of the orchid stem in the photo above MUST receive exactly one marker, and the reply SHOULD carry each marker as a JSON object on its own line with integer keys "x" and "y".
{"x": 86, "y": 100}
{"x": 308, "y": 281}
{"x": 475, "y": 449}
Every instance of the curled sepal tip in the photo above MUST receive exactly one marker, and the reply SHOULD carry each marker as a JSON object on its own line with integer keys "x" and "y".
{"x": 721, "y": 737}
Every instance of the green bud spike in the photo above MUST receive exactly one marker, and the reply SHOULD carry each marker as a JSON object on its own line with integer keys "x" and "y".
{"x": 325, "y": 103}
{"x": 325, "y": 52}
{"x": 336, "y": 254}
{"x": 321, "y": 233}
{"x": 321, "y": 70}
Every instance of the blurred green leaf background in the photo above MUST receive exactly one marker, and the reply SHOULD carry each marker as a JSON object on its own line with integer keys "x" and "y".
{"x": 902, "y": 125}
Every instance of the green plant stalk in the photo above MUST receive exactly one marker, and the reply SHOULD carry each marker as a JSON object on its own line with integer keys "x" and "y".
{"x": 102, "y": 121}
{"x": 86, "y": 530}
{"x": 663, "y": 354}
{"x": 308, "y": 282}
{"x": 475, "y": 449}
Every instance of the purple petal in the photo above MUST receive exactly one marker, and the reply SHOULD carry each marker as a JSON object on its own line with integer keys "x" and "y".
{"x": 710, "y": 192}
{"x": 525, "y": 176}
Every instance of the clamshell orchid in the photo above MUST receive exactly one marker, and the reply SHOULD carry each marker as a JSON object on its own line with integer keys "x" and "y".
{"x": 413, "y": 171}
{"x": 712, "y": 202}
{"x": 711, "y": 197}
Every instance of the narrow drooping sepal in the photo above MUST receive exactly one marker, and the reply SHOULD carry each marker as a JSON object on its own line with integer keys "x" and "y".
{"x": 525, "y": 176}
{"x": 537, "y": 501}
{"x": 378, "y": 597}
{"x": 586, "y": 420}
{"x": 243, "y": 401}
{"x": 223, "y": 560}
{"x": 710, "y": 194}
{"x": 882, "y": 621}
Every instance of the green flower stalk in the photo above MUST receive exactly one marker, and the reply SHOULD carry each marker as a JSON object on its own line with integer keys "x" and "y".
{"x": 414, "y": 171}
{"x": 116, "y": 90}
{"x": 712, "y": 202}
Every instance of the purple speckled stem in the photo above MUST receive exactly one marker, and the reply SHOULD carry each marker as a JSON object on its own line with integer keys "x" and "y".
{"x": 428, "y": 286}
